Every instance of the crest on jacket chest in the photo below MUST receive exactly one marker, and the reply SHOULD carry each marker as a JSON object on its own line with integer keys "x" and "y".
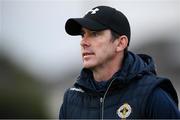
{"x": 124, "y": 110}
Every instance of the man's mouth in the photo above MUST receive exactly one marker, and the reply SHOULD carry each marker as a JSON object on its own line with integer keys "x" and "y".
{"x": 87, "y": 54}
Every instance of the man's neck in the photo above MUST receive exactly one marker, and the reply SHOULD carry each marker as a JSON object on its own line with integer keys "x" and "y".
{"x": 104, "y": 73}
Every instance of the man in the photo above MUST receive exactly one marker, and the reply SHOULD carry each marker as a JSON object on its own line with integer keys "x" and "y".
{"x": 114, "y": 82}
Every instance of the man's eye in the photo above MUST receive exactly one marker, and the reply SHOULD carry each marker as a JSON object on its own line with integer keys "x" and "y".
{"x": 94, "y": 33}
{"x": 82, "y": 33}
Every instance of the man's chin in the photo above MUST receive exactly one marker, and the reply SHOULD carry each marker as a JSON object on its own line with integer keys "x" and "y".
{"x": 88, "y": 66}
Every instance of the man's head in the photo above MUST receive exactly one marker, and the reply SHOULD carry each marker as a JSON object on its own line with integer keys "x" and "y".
{"x": 105, "y": 33}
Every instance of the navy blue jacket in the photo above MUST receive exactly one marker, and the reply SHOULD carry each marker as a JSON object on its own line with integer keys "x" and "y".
{"x": 135, "y": 91}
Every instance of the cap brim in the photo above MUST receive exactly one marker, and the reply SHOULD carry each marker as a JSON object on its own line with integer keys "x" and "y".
{"x": 73, "y": 26}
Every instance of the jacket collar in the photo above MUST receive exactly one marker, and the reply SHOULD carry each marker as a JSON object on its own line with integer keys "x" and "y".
{"x": 133, "y": 66}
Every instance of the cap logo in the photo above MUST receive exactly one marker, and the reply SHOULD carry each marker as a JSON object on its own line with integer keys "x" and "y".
{"x": 94, "y": 11}
{"x": 124, "y": 111}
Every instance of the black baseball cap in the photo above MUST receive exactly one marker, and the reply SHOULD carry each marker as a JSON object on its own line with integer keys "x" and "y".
{"x": 100, "y": 18}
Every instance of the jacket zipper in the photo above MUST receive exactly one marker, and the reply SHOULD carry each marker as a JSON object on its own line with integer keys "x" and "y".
{"x": 102, "y": 99}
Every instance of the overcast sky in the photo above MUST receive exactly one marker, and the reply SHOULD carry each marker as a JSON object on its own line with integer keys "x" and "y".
{"x": 34, "y": 36}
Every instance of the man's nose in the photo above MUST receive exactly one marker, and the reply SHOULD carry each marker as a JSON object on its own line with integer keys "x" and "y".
{"x": 85, "y": 42}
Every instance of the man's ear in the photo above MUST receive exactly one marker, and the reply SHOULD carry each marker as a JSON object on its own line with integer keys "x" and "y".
{"x": 122, "y": 43}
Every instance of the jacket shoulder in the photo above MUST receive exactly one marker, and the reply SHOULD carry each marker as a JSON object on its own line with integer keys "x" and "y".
{"x": 142, "y": 88}
{"x": 71, "y": 97}
{"x": 150, "y": 83}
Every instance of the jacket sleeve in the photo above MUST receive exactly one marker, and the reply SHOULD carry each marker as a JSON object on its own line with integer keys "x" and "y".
{"x": 62, "y": 113}
{"x": 160, "y": 105}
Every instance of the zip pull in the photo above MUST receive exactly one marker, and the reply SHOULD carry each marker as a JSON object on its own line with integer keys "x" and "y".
{"x": 101, "y": 108}
{"x": 101, "y": 100}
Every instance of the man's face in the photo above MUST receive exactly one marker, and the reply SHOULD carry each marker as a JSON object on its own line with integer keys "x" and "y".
{"x": 97, "y": 48}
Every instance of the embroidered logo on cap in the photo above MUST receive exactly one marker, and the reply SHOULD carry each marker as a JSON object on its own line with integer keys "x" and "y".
{"x": 93, "y": 11}
{"x": 124, "y": 111}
